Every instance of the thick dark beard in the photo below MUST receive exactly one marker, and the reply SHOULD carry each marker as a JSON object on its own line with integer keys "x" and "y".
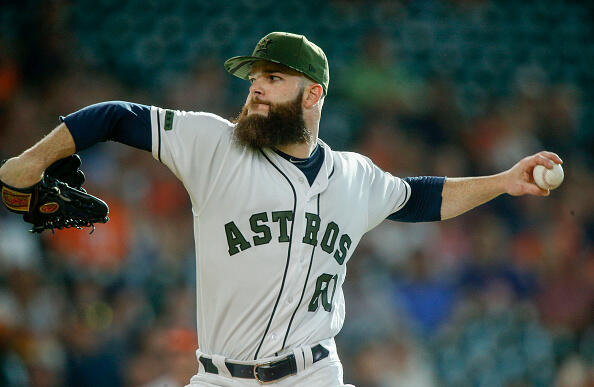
{"x": 284, "y": 125}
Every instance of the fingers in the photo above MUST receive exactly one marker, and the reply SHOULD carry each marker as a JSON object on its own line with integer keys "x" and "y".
{"x": 544, "y": 158}
{"x": 533, "y": 189}
{"x": 551, "y": 156}
{"x": 538, "y": 159}
{"x": 547, "y": 159}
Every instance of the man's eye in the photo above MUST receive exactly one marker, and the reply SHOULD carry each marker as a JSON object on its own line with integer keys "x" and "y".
{"x": 251, "y": 80}
{"x": 274, "y": 78}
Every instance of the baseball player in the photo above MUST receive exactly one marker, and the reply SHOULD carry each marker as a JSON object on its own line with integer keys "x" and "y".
{"x": 277, "y": 213}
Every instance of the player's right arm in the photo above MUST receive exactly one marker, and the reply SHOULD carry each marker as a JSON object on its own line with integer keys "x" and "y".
{"x": 124, "y": 122}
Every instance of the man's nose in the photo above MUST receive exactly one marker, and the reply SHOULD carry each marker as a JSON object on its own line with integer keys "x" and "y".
{"x": 256, "y": 88}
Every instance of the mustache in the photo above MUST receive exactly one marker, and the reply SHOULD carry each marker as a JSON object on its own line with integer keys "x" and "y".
{"x": 256, "y": 101}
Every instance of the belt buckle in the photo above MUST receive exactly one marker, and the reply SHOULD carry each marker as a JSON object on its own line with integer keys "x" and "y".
{"x": 267, "y": 364}
{"x": 257, "y": 377}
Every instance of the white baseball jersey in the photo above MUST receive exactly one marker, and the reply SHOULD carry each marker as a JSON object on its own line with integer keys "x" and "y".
{"x": 271, "y": 250}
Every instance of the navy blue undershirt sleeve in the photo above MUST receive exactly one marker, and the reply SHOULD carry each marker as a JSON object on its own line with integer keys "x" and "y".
{"x": 424, "y": 204}
{"x": 125, "y": 122}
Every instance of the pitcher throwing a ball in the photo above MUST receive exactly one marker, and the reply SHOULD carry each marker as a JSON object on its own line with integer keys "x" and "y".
{"x": 277, "y": 213}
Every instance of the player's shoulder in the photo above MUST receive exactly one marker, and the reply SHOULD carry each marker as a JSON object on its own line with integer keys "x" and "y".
{"x": 352, "y": 160}
{"x": 195, "y": 118}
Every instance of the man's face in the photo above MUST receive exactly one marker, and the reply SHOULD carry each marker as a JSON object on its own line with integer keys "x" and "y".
{"x": 273, "y": 114}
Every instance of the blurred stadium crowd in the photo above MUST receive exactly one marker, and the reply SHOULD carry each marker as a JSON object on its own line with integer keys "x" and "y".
{"x": 502, "y": 296}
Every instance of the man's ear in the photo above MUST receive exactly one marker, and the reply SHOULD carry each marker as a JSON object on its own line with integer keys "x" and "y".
{"x": 312, "y": 94}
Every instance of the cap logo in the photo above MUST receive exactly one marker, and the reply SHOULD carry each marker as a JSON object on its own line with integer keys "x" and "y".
{"x": 263, "y": 46}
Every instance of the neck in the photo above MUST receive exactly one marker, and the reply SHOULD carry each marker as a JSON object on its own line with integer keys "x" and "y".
{"x": 301, "y": 151}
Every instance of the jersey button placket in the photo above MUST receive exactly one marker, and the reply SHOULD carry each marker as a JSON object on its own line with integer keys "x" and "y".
{"x": 301, "y": 209}
{"x": 300, "y": 250}
{"x": 311, "y": 206}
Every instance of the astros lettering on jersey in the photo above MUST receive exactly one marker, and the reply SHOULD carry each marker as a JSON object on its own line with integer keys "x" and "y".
{"x": 271, "y": 250}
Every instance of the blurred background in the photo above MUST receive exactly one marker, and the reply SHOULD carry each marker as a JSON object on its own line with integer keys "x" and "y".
{"x": 502, "y": 296}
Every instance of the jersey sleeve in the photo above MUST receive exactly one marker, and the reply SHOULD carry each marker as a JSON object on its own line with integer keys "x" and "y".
{"x": 193, "y": 146}
{"x": 424, "y": 204}
{"x": 387, "y": 193}
{"x": 125, "y": 122}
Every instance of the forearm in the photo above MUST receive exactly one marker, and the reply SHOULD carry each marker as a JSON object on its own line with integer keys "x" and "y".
{"x": 125, "y": 122}
{"x": 461, "y": 194}
{"x": 27, "y": 169}
{"x": 56, "y": 145}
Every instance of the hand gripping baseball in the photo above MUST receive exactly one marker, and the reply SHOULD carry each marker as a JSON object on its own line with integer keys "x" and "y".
{"x": 58, "y": 200}
{"x": 520, "y": 180}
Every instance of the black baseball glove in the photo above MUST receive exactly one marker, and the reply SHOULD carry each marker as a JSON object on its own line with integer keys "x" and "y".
{"x": 58, "y": 200}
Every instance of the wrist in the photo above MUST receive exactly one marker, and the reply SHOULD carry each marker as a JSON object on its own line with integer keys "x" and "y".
{"x": 18, "y": 173}
{"x": 34, "y": 161}
{"x": 502, "y": 183}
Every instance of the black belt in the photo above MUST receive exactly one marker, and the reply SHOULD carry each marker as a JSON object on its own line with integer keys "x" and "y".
{"x": 265, "y": 372}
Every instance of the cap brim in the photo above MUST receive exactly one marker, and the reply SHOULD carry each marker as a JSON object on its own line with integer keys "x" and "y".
{"x": 240, "y": 66}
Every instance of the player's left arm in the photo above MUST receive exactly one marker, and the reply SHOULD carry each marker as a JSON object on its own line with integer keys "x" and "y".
{"x": 465, "y": 193}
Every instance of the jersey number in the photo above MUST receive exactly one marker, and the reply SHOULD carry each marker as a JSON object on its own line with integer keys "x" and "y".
{"x": 322, "y": 286}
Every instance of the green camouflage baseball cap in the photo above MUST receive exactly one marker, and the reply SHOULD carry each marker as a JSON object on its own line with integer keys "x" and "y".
{"x": 291, "y": 50}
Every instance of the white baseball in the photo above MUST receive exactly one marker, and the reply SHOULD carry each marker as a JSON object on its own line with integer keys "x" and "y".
{"x": 548, "y": 178}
